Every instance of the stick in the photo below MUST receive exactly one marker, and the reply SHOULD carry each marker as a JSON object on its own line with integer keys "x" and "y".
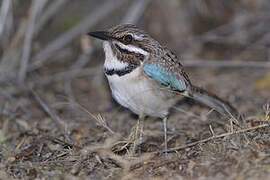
{"x": 218, "y": 136}
{"x": 6, "y": 5}
{"x": 135, "y": 11}
{"x": 49, "y": 13}
{"x": 65, "y": 75}
{"x": 261, "y": 41}
{"x": 89, "y": 21}
{"x": 47, "y": 110}
{"x": 36, "y": 7}
{"x": 226, "y": 64}
{"x": 86, "y": 52}
{"x": 226, "y": 28}
{"x": 10, "y": 58}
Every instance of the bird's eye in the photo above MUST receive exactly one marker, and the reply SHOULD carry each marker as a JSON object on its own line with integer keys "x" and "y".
{"x": 127, "y": 38}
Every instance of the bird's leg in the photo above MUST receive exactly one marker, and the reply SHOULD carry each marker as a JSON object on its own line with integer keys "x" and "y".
{"x": 137, "y": 134}
{"x": 165, "y": 135}
{"x": 141, "y": 122}
{"x": 139, "y": 139}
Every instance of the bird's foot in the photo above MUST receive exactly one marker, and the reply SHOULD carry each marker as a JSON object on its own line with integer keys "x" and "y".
{"x": 132, "y": 144}
{"x": 135, "y": 138}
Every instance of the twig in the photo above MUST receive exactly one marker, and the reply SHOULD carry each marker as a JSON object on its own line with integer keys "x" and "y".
{"x": 226, "y": 64}
{"x": 231, "y": 25}
{"x": 89, "y": 21}
{"x": 263, "y": 40}
{"x": 6, "y": 5}
{"x": 87, "y": 50}
{"x": 10, "y": 58}
{"x": 99, "y": 119}
{"x": 83, "y": 59}
{"x": 65, "y": 75}
{"x": 48, "y": 110}
{"x": 212, "y": 131}
{"x": 49, "y": 13}
{"x": 135, "y": 11}
{"x": 36, "y": 7}
{"x": 218, "y": 136}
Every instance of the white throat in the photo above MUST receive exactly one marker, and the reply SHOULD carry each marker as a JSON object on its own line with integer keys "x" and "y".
{"x": 111, "y": 61}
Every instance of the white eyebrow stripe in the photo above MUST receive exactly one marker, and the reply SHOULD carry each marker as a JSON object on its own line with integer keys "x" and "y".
{"x": 132, "y": 48}
{"x": 137, "y": 37}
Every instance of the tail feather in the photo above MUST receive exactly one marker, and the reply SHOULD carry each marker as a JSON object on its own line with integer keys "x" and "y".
{"x": 211, "y": 100}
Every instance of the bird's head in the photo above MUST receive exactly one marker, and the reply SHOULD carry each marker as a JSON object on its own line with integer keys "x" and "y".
{"x": 128, "y": 43}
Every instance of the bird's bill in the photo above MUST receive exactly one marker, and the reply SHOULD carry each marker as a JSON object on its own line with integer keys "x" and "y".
{"x": 103, "y": 35}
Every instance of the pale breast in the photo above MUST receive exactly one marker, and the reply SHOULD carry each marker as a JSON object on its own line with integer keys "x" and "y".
{"x": 134, "y": 90}
{"x": 140, "y": 94}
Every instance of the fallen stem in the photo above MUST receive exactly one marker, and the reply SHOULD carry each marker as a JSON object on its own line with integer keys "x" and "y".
{"x": 217, "y": 137}
{"x": 226, "y": 64}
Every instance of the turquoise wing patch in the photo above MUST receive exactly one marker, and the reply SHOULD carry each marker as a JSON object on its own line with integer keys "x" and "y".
{"x": 164, "y": 77}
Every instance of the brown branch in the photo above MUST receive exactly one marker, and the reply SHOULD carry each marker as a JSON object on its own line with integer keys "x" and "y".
{"x": 260, "y": 42}
{"x": 82, "y": 61}
{"x": 99, "y": 119}
{"x": 226, "y": 64}
{"x": 52, "y": 9}
{"x": 135, "y": 11}
{"x": 61, "y": 125}
{"x": 218, "y": 136}
{"x": 10, "y": 58}
{"x": 42, "y": 81}
{"x": 6, "y": 6}
{"x": 238, "y": 21}
{"x": 89, "y": 21}
{"x": 36, "y": 7}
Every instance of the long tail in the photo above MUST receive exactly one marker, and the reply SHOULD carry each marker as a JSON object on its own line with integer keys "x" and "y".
{"x": 211, "y": 100}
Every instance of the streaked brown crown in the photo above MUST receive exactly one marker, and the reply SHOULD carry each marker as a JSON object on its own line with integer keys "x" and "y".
{"x": 140, "y": 38}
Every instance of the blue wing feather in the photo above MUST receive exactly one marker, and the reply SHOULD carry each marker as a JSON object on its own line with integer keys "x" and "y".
{"x": 164, "y": 77}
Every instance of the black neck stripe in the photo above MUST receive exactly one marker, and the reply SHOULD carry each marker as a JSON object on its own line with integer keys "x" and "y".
{"x": 120, "y": 72}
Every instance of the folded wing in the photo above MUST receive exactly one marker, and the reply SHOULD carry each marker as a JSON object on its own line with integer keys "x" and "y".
{"x": 165, "y": 77}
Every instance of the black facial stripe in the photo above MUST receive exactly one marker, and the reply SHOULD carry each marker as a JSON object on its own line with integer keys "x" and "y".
{"x": 120, "y": 72}
{"x": 122, "y": 50}
{"x": 138, "y": 55}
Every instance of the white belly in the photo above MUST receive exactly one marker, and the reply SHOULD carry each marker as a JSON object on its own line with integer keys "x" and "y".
{"x": 140, "y": 94}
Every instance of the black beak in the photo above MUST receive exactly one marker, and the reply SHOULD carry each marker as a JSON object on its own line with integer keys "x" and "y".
{"x": 103, "y": 35}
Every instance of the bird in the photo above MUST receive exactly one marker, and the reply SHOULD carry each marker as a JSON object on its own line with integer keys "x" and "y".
{"x": 147, "y": 78}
